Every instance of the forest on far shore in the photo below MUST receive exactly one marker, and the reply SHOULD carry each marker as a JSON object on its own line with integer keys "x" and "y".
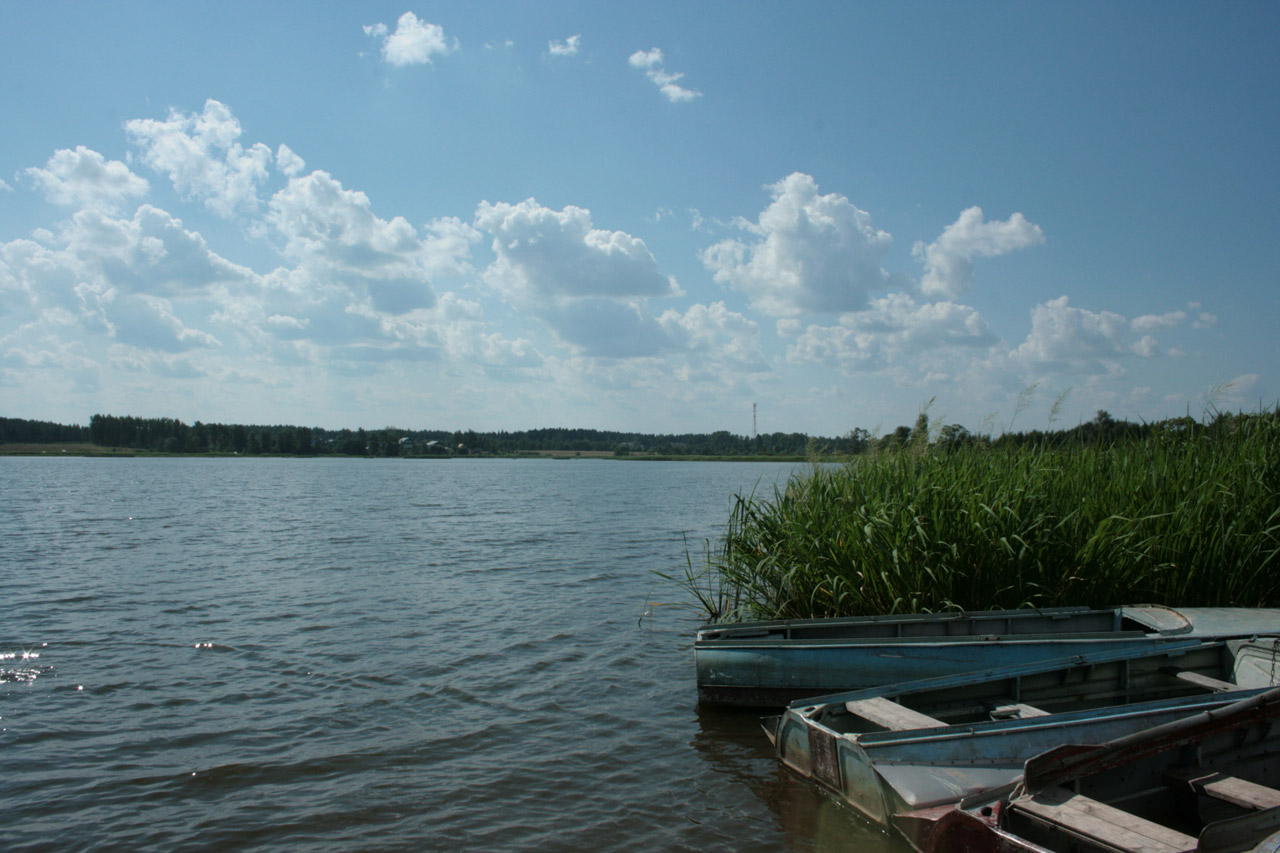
{"x": 169, "y": 435}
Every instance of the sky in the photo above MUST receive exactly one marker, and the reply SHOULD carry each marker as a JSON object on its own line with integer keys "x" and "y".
{"x": 659, "y": 217}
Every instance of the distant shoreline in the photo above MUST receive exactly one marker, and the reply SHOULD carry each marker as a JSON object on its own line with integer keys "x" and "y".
{"x": 94, "y": 451}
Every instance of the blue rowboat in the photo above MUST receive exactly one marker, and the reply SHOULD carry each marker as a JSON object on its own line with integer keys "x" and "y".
{"x": 910, "y": 747}
{"x": 767, "y": 664}
{"x": 1205, "y": 782}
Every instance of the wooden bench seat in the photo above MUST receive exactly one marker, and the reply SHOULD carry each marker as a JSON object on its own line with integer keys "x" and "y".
{"x": 1215, "y": 684}
{"x": 890, "y": 715}
{"x": 1017, "y": 710}
{"x": 1239, "y": 792}
{"x": 1058, "y": 808}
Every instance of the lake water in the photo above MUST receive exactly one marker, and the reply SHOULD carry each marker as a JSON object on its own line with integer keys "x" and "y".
{"x": 272, "y": 654}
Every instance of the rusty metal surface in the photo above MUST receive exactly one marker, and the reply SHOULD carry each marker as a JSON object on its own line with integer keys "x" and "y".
{"x": 824, "y": 761}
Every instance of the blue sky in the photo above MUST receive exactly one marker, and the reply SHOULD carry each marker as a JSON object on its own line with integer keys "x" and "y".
{"x": 520, "y": 215}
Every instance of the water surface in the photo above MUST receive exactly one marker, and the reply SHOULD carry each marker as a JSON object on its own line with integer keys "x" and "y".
{"x": 346, "y": 654}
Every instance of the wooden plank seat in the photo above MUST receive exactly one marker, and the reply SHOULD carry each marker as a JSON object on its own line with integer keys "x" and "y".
{"x": 1239, "y": 792}
{"x": 1016, "y": 711}
{"x": 1060, "y": 809}
{"x": 1215, "y": 684}
{"x": 890, "y": 715}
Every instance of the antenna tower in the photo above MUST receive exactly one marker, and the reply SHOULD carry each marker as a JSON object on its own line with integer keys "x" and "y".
{"x": 754, "y": 434}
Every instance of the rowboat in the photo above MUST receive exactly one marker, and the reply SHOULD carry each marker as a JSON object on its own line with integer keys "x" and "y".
{"x": 1208, "y": 782}
{"x": 771, "y": 663}
{"x": 931, "y": 743}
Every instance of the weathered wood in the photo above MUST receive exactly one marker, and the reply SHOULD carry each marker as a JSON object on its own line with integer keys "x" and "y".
{"x": 1240, "y": 792}
{"x": 1020, "y": 710}
{"x": 1205, "y": 681}
{"x": 1082, "y": 816}
{"x": 890, "y": 715}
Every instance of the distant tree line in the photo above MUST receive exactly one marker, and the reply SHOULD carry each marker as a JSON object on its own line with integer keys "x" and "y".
{"x": 169, "y": 435}
{"x": 20, "y": 431}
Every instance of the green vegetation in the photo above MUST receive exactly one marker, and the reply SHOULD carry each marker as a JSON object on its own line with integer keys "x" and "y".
{"x": 1177, "y": 513}
{"x": 172, "y": 436}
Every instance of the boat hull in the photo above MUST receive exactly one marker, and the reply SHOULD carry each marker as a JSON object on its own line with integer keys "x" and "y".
{"x": 768, "y": 664}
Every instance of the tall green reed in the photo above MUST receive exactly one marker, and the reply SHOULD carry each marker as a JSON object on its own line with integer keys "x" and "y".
{"x": 1182, "y": 517}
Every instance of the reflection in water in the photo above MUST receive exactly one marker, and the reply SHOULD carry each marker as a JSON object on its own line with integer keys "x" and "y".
{"x": 733, "y": 743}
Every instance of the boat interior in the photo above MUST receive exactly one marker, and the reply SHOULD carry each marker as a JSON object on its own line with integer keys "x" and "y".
{"x": 1163, "y": 790}
{"x": 1184, "y": 670}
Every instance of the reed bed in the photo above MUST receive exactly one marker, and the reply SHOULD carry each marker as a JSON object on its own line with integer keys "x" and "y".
{"x": 1185, "y": 517}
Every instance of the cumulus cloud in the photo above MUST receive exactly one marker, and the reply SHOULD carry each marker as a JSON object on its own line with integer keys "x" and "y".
{"x": 414, "y": 42}
{"x": 334, "y": 235}
{"x": 149, "y": 323}
{"x": 651, "y": 63}
{"x": 546, "y": 255}
{"x": 568, "y": 47}
{"x": 949, "y": 259}
{"x": 151, "y": 253}
{"x": 587, "y": 284}
{"x": 119, "y": 278}
{"x": 713, "y": 330}
{"x": 1074, "y": 339}
{"x": 1153, "y": 322}
{"x": 201, "y": 156}
{"x": 591, "y": 287}
{"x": 84, "y": 178}
{"x": 808, "y": 253}
{"x": 892, "y": 330}
{"x": 288, "y": 162}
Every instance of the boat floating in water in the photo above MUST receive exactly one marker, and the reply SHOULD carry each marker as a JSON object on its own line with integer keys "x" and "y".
{"x": 930, "y": 744}
{"x": 1208, "y": 782}
{"x": 768, "y": 664}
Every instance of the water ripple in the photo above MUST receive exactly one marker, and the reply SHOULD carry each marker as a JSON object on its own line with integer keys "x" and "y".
{"x": 328, "y": 655}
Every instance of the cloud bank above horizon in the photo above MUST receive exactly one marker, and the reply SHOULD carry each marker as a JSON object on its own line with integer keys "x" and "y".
{"x": 204, "y": 272}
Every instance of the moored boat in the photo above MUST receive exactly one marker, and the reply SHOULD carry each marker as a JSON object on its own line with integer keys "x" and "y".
{"x": 1208, "y": 782}
{"x": 927, "y": 744}
{"x": 766, "y": 664}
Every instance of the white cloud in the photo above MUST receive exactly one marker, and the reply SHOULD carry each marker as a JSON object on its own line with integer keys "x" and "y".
{"x": 5, "y": 187}
{"x": 546, "y": 255}
{"x": 84, "y": 178}
{"x": 117, "y": 279}
{"x": 568, "y": 47}
{"x": 149, "y": 323}
{"x": 335, "y": 237}
{"x": 949, "y": 259}
{"x": 1204, "y": 320}
{"x": 151, "y": 253}
{"x": 1152, "y": 322}
{"x": 810, "y": 253}
{"x": 1145, "y": 346}
{"x": 201, "y": 156}
{"x": 716, "y": 332}
{"x": 591, "y": 288}
{"x": 414, "y": 42}
{"x": 288, "y": 162}
{"x": 650, "y": 62}
{"x": 1073, "y": 339}
{"x": 892, "y": 332}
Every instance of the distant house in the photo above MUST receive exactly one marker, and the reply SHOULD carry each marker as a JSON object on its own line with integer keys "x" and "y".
{"x": 406, "y": 443}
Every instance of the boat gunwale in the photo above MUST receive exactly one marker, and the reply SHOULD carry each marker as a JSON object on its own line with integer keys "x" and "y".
{"x": 815, "y": 704}
{"x": 889, "y": 619}
{"x": 939, "y": 640}
{"x": 1067, "y": 719}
